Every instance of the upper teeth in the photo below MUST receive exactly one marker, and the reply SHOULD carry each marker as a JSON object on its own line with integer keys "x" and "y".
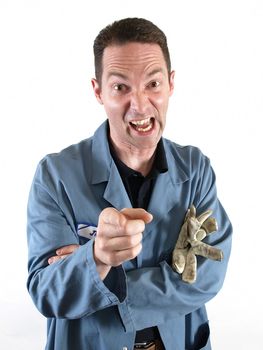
{"x": 141, "y": 122}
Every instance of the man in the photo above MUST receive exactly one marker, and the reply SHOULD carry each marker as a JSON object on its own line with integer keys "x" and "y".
{"x": 118, "y": 201}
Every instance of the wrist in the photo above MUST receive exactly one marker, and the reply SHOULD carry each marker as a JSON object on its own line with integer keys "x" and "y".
{"x": 102, "y": 268}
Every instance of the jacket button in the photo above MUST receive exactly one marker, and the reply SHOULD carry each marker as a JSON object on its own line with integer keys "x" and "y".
{"x": 125, "y": 348}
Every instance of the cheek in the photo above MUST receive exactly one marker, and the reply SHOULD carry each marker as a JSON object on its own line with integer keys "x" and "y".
{"x": 161, "y": 103}
{"x": 115, "y": 113}
{"x": 113, "y": 106}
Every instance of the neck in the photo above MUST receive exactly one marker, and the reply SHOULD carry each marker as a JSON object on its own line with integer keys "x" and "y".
{"x": 140, "y": 160}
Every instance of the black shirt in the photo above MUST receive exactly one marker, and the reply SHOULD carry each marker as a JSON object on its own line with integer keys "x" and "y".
{"x": 139, "y": 189}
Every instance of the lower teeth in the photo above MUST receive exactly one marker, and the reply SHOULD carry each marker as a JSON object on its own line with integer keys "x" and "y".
{"x": 145, "y": 129}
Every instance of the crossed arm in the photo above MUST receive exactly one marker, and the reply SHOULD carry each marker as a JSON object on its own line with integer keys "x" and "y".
{"x": 120, "y": 234}
{"x": 118, "y": 238}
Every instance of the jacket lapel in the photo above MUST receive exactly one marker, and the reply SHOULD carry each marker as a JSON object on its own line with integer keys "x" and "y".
{"x": 115, "y": 192}
{"x": 167, "y": 189}
{"x": 105, "y": 170}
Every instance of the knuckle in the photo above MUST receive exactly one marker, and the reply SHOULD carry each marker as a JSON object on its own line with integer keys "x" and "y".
{"x": 130, "y": 241}
{"x": 107, "y": 211}
{"x": 136, "y": 251}
{"x": 134, "y": 226}
{"x": 124, "y": 224}
{"x": 140, "y": 226}
{"x": 100, "y": 243}
{"x": 135, "y": 239}
{"x": 107, "y": 214}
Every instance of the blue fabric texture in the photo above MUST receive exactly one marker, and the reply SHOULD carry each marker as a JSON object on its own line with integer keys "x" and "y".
{"x": 83, "y": 312}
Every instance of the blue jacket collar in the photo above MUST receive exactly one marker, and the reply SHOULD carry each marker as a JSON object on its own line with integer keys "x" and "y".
{"x": 103, "y": 164}
{"x": 105, "y": 170}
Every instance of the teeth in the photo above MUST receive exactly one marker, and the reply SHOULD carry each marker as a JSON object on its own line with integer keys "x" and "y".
{"x": 141, "y": 122}
{"x": 143, "y": 125}
{"x": 145, "y": 129}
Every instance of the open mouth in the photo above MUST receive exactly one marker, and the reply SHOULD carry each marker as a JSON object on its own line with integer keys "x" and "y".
{"x": 143, "y": 125}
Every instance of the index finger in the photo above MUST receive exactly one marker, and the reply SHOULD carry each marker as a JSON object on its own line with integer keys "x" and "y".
{"x": 128, "y": 221}
{"x": 137, "y": 214}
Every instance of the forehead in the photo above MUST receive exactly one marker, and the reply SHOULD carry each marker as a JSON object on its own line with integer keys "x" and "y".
{"x": 133, "y": 57}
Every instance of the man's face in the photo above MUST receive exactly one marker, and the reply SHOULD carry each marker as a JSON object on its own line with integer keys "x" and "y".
{"x": 135, "y": 90}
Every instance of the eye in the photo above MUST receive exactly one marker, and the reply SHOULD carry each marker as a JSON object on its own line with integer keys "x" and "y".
{"x": 119, "y": 87}
{"x": 154, "y": 84}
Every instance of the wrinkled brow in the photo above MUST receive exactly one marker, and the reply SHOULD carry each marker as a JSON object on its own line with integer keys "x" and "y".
{"x": 123, "y": 76}
{"x": 155, "y": 71}
{"x": 117, "y": 74}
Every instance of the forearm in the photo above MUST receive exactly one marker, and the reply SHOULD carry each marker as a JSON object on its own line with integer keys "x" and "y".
{"x": 72, "y": 287}
{"x": 157, "y": 294}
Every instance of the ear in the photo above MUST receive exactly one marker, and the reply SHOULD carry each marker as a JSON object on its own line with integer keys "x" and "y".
{"x": 97, "y": 90}
{"x": 171, "y": 82}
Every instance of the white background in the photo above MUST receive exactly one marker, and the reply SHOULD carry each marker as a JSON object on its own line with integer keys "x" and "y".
{"x": 47, "y": 103}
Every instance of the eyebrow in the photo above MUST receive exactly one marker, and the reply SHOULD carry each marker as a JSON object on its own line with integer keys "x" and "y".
{"x": 117, "y": 74}
{"x": 155, "y": 71}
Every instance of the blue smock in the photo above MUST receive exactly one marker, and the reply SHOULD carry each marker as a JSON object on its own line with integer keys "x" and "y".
{"x": 68, "y": 192}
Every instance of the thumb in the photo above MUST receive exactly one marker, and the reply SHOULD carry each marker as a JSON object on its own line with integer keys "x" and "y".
{"x": 137, "y": 214}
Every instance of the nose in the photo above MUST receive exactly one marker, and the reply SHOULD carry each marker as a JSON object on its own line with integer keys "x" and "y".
{"x": 139, "y": 102}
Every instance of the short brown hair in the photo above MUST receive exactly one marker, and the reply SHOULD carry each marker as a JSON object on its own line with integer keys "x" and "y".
{"x": 128, "y": 30}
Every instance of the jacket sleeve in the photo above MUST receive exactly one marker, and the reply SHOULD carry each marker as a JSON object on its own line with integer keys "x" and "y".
{"x": 160, "y": 291}
{"x": 70, "y": 288}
